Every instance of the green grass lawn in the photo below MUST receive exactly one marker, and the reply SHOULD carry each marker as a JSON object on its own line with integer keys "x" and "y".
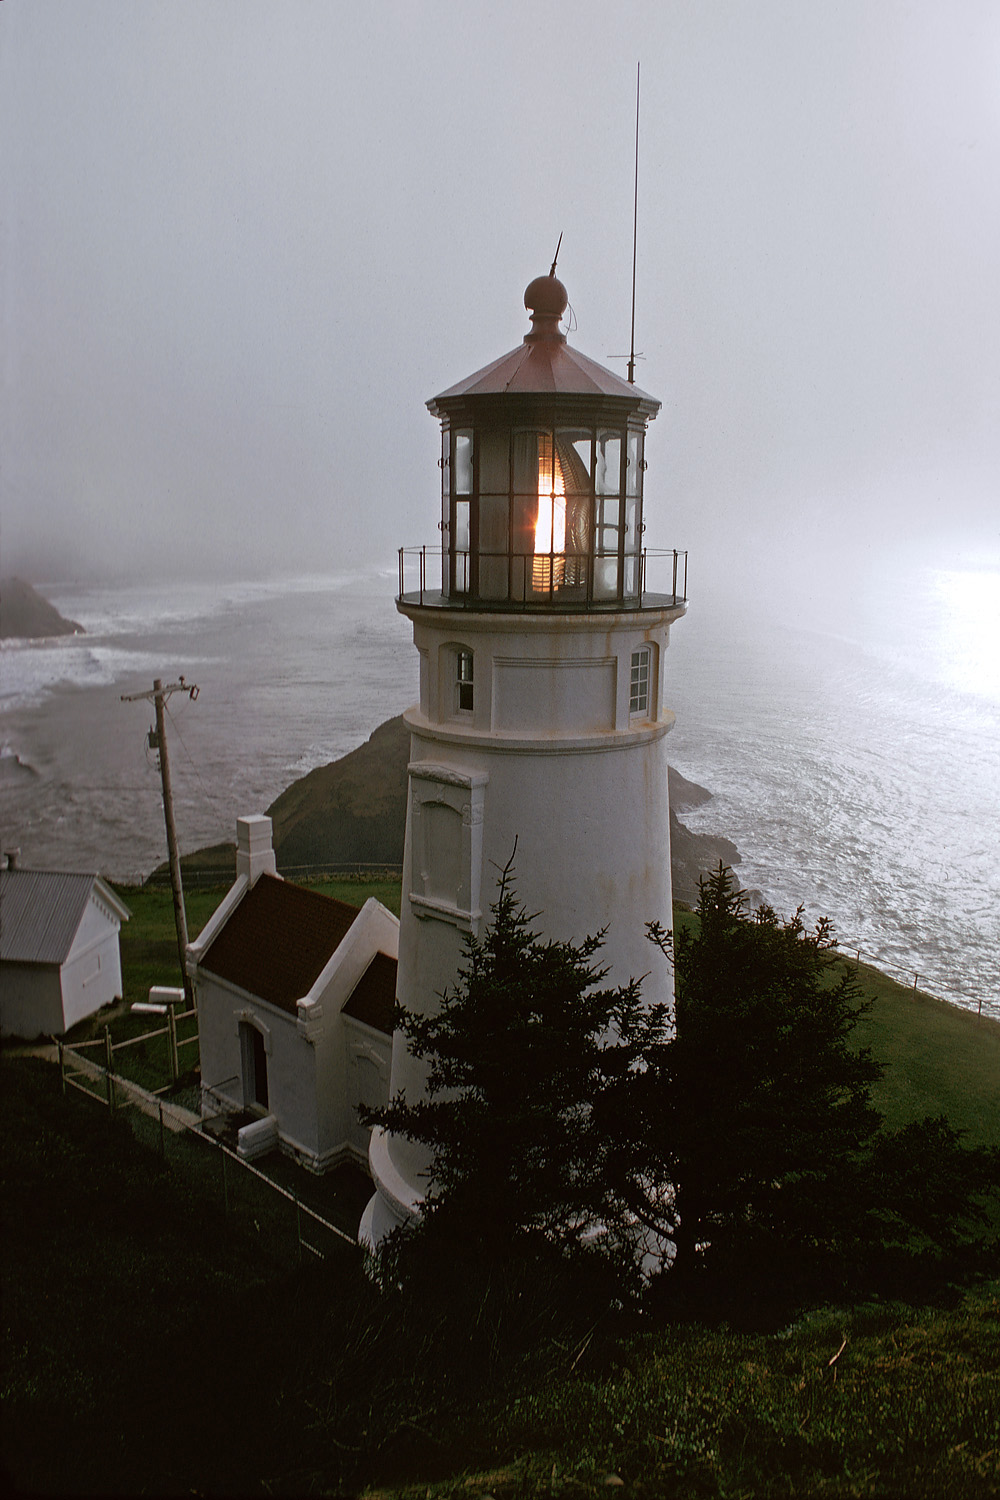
{"x": 939, "y": 1058}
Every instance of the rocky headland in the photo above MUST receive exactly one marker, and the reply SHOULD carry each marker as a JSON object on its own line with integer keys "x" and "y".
{"x": 353, "y": 812}
{"x": 25, "y": 615}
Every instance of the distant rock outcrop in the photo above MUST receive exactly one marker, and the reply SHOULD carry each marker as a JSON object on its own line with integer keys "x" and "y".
{"x": 26, "y": 615}
{"x": 353, "y": 812}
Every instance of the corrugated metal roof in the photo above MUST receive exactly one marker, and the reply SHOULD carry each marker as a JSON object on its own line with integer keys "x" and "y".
{"x": 41, "y": 910}
{"x": 279, "y": 940}
{"x": 374, "y": 994}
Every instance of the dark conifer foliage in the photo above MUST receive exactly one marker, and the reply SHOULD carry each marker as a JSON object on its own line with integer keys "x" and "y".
{"x": 734, "y": 1145}
{"x": 774, "y": 1173}
{"x": 529, "y": 1059}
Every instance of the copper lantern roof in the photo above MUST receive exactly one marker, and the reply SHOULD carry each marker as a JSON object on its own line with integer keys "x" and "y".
{"x": 544, "y": 365}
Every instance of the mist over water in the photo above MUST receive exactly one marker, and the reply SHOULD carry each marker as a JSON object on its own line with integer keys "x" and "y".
{"x": 851, "y": 737}
{"x": 854, "y": 750}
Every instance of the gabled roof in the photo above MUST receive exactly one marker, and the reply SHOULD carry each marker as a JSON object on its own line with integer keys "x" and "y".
{"x": 41, "y": 911}
{"x": 374, "y": 996}
{"x": 278, "y": 941}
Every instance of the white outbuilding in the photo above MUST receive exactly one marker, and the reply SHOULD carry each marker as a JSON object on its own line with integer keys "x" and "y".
{"x": 59, "y": 950}
{"x": 295, "y": 995}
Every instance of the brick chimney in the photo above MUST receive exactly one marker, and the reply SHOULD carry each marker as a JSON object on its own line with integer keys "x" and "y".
{"x": 254, "y": 853}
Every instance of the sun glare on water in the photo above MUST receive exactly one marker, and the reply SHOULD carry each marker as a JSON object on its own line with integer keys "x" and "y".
{"x": 969, "y": 630}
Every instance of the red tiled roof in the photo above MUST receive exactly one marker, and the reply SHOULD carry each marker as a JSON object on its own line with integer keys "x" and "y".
{"x": 279, "y": 940}
{"x": 375, "y": 994}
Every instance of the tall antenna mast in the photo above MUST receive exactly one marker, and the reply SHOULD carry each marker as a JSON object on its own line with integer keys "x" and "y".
{"x": 635, "y": 224}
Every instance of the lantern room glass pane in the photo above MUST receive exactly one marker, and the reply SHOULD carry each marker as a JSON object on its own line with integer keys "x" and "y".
{"x": 494, "y": 511}
{"x": 633, "y": 525}
{"x": 445, "y": 485}
{"x": 460, "y": 574}
{"x": 609, "y": 509}
{"x": 606, "y": 578}
{"x": 494, "y": 462}
{"x": 462, "y": 525}
{"x": 633, "y": 469}
{"x": 530, "y": 476}
{"x": 572, "y": 461}
{"x": 608, "y": 468}
{"x": 463, "y": 463}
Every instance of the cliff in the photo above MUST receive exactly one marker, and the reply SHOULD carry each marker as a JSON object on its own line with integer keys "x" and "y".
{"x": 25, "y": 614}
{"x": 353, "y": 811}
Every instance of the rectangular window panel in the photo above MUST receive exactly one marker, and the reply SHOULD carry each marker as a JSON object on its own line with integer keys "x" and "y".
{"x": 494, "y": 462}
{"x": 633, "y": 532}
{"x": 463, "y": 463}
{"x": 633, "y": 468}
{"x": 464, "y": 676}
{"x": 638, "y": 700}
{"x": 608, "y": 474}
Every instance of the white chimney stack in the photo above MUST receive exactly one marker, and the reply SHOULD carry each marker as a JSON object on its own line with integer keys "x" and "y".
{"x": 254, "y": 852}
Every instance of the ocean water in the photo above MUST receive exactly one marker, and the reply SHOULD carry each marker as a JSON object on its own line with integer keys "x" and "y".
{"x": 852, "y": 742}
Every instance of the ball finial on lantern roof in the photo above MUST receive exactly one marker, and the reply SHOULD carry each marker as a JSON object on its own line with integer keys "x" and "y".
{"x": 546, "y": 300}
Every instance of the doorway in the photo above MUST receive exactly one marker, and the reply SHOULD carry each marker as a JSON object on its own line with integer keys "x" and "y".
{"x": 254, "y": 1058}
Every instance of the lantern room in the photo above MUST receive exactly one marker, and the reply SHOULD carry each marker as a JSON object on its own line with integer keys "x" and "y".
{"x": 542, "y": 467}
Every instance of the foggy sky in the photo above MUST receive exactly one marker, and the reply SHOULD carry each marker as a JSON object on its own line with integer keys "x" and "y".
{"x": 243, "y": 243}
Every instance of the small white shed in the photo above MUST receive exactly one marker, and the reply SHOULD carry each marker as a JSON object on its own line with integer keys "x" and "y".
{"x": 295, "y": 995}
{"x": 59, "y": 953}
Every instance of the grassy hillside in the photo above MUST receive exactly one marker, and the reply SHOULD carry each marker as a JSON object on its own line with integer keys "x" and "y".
{"x": 939, "y": 1058}
{"x": 151, "y": 1343}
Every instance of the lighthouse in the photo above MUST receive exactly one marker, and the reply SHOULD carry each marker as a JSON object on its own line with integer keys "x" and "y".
{"x": 542, "y": 718}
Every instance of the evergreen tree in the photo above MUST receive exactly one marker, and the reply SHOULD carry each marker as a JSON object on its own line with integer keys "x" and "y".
{"x": 529, "y": 1057}
{"x": 761, "y": 1160}
{"x": 569, "y": 1122}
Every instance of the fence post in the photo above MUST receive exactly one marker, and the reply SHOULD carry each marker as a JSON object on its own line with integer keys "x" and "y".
{"x": 225, "y": 1182}
{"x": 62, "y": 1064}
{"x": 298, "y": 1226}
{"x": 915, "y": 985}
{"x": 163, "y": 1147}
{"x": 109, "y": 1063}
{"x": 172, "y": 1044}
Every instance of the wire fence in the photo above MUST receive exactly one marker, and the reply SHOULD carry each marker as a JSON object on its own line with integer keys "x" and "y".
{"x": 209, "y": 876}
{"x": 160, "y": 1053}
{"x": 289, "y": 1230}
{"x": 911, "y": 978}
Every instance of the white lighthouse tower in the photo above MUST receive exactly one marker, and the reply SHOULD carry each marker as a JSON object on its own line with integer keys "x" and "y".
{"x": 542, "y": 717}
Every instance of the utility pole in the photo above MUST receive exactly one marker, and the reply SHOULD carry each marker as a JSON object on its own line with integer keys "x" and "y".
{"x": 158, "y": 697}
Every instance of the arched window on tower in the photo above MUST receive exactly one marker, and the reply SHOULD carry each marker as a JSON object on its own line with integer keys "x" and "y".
{"x": 640, "y": 692}
{"x": 464, "y": 685}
